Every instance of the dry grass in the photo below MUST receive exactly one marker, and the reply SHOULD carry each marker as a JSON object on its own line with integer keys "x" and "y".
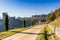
{"x": 56, "y": 22}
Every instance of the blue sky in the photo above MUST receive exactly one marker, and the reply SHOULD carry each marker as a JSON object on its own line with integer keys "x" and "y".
{"x": 27, "y": 8}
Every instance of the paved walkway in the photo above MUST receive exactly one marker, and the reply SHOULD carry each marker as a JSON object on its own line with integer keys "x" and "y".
{"x": 30, "y": 34}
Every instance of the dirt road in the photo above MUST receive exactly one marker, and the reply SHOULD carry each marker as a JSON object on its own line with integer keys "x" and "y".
{"x": 30, "y": 34}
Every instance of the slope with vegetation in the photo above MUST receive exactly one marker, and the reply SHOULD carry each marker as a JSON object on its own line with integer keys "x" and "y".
{"x": 47, "y": 34}
{"x": 53, "y": 15}
{"x": 56, "y": 22}
{"x": 54, "y": 18}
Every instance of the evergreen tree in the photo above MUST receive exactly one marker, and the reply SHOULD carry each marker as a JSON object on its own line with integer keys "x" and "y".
{"x": 6, "y": 21}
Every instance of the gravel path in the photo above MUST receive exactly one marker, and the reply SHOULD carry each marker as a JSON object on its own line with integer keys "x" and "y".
{"x": 30, "y": 34}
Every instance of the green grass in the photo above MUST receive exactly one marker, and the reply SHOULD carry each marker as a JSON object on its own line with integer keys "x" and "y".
{"x": 12, "y": 32}
{"x": 56, "y": 37}
{"x": 41, "y": 37}
{"x": 49, "y": 30}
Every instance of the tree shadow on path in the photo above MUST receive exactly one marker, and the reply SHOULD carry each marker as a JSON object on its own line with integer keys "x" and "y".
{"x": 31, "y": 33}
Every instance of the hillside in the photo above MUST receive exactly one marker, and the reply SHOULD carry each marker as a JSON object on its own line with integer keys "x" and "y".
{"x": 53, "y": 15}
{"x": 56, "y": 22}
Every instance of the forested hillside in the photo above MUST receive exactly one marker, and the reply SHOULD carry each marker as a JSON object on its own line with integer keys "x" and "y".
{"x": 53, "y": 15}
{"x": 56, "y": 22}
{"x": 54, "y": 18}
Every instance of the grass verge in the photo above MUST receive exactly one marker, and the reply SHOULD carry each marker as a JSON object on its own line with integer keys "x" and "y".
{"x": 12, "y": 32}
{"x": 49, "y": 31}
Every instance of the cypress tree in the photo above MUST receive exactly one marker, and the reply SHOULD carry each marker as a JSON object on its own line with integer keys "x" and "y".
{"x": 6, "y": 21}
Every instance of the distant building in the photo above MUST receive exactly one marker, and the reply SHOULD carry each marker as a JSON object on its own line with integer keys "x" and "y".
{"x": 19, "y": 22}
{"x": 2, "y": 28}
{"x": 11, "y": 22}
{"x": 42, "y": 17}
